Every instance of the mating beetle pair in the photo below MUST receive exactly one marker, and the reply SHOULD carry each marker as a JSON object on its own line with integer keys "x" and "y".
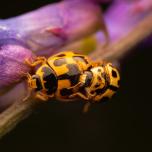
{"x": 67, "y": 76}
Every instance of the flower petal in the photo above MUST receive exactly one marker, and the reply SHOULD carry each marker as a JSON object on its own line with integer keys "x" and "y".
{"x": 57, "y": 24}
{"x": 13, "y": 53}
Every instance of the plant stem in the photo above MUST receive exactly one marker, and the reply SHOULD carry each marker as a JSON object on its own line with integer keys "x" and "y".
{"x": 14, "y": 114}
{"x": 119, "y": 49}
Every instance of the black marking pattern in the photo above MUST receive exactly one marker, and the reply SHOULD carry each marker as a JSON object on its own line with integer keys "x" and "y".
{"x": 50, "y": 80}
{"x": 113, "y": 88}
{"x": 38, "y": 82}
{"x": 107, "y": 81}
{"x": 66, "y": 92}
{"x": 118, "y": 82}
{"x": 72, "y": 75}
{"x": 88, "y": 79}
{"x": 59, "y": 62}
{"x": 101, "y": 91}
{"x": 114, "y": 74}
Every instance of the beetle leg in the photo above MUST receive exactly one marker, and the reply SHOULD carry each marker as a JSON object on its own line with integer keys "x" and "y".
{"x": 89, "y": 95}
{"x": 78, "y": 94}
{"x": 42, "y": 58}
{"x": 38, "y": 60}
{"x": 86, "y": 107}
{"x": 81, "y": 82}
{"x": 41, "y": 96}
{"x": 76, "y": 87}
{"x": 51, "y": 96}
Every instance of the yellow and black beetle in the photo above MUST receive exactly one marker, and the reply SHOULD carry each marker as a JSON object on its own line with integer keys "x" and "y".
{"x": 67, "y": 76}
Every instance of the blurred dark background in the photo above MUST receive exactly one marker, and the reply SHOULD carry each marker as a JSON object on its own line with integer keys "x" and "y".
{"x": 123, "y": 124}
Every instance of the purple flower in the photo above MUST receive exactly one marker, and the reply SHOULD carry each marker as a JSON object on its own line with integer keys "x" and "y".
{"x": 13, "y": 52}
{"x": 123, "y": 15}
{"x": 58, "y": 24}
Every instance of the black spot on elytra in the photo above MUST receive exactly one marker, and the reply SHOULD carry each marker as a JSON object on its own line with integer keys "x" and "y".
{"x": 50, "y": 80}
{"x": 60, "y": 55}
{"x": 113, "y": 88}
{"x": 107, "y": 85}
{"x": 73, "y": 74}
{"x": 101, "y": 91}
{"x": 59, "y": 62}
{"x": 38, "y": 82}
{"x": 66, "y": 92}
{"x": 80, "y": 58}
{"x": 118, "y": 82}
{"x": 114, "y": 74}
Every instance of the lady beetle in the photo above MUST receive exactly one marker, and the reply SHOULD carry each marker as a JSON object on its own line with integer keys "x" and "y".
{"x": 67, "y": 76}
